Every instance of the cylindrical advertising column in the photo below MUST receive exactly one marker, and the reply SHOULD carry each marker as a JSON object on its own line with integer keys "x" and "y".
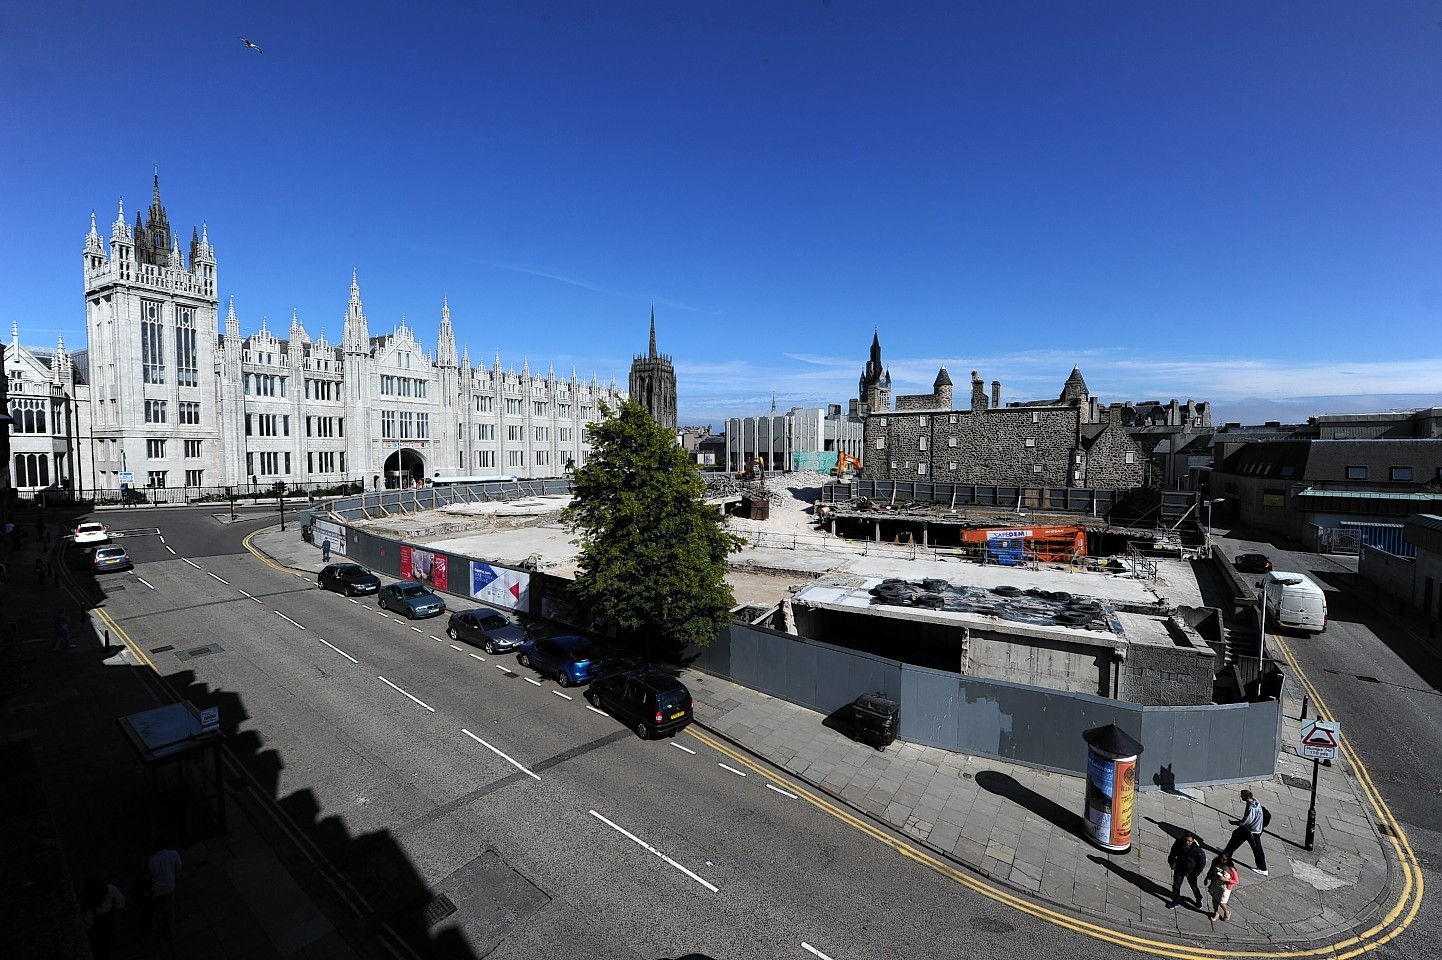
{"x": 1111, "y": 785}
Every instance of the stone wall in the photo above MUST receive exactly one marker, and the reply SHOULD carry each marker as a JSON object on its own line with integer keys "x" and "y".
{"x": 1114, "y": 460}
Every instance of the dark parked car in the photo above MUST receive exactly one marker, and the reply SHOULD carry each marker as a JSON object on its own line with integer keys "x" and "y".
{"x": 570, "y": 659}
{"x": 411, "y": 598}
{"x": 1252, "y": 563}
{"x": 110, "y": 558}
{"x": 349, "y": 579}
{"x": 652, "y": 703}
{"x": 489, "y": 629}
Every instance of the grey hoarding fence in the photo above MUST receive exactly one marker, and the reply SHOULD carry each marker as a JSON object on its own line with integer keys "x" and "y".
{"x": 1186, "y": 746}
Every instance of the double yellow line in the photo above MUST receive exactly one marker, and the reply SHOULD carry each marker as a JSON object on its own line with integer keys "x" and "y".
{"x": 1397, "y": 919}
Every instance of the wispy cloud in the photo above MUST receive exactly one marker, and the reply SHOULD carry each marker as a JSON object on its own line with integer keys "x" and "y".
{"x": 560, "y": 276}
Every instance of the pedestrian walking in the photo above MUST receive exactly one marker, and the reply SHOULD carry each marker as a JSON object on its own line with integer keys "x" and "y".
{"x": 325, "y": 550}
{"x": 1220, "y": 880}
{"x": 163, "y": 867}
{"x": 40, "y": 569}
{"x": 101, "y": 901}
{"x": 62, "y": 630}
{"x": 1249, "y": 830}
{"x": 1187, "y": 860}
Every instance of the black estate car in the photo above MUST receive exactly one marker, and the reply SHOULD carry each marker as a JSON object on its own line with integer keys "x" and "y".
{"x": 653, "y": 703}
{"x": 1252, "y": 563}
{"x": 349, "y": 579}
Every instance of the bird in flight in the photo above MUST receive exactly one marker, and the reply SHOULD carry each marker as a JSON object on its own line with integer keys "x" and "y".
{"x": 251, "y": 46}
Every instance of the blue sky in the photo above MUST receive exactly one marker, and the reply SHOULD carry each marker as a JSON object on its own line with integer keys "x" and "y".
{"x": 1234, "y": 202}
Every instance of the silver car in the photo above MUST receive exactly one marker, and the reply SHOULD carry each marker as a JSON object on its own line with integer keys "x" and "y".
{"x": 489, "y": 629}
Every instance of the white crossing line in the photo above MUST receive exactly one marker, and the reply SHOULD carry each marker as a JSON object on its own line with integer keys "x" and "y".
{"x": 626, "y": 833}
{"x": 563, "y": 696}
{"x": 780, "y": 791}
{"x": 191, "y": 562}
{"x": 221, "y": 579}
{"x": 810, "y": 949}
{"x": 287, "y": 619}
{"x": 477, "y": 656}
{"x": 679, "y": 747}
{"x": 146, "y": 582}
{"x": 499, "y": 754}
{"x": 732, "y": 769}
{"x": 171, "y": 549}
{"x": 399, "y": 690}
{"x": 339, "y": 651}
{"x": 533, "y": 680}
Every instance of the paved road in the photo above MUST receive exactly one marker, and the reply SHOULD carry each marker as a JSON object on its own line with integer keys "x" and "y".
{"x": 422, "y": 768}
{"x": 1386, "y": 688}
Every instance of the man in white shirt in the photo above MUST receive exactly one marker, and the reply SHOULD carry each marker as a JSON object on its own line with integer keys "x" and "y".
{"x": 164, "y": 867}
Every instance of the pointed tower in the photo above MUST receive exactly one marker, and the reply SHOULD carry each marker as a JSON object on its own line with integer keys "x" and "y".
{"x": 445, "y": 427}
{"x": 873, "y": 390}
{"x": 653, "y": 382}
{"x": 356, "y": 368}
{"x": 151, "y": 322}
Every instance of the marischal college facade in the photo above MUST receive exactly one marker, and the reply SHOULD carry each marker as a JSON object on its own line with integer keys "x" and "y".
{"x": 169, "y": 394}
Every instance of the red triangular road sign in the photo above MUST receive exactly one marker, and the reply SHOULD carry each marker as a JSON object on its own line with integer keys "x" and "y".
{"x": 1319, "y": 737}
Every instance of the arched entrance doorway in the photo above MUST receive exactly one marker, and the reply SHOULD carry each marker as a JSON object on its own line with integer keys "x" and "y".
{"x": 404, "y": 468}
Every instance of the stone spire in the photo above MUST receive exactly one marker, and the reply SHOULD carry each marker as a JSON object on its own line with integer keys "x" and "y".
{"x": 297, "y": 332}
{"x": 232, "y": 322}
{"x": 356, "y": 336}
{"x": 446, "y": 340}
{"x": 653, "y": 332}
{"x": 92, "y": 239}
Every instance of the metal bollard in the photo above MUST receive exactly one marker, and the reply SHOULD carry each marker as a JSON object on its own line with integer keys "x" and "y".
{"x": 1306, "y": 702}
{"x": 107, "y": 639}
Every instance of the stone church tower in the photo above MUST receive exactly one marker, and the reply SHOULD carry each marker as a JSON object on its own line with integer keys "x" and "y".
{"x": 873, "y": 390}
{"x": 150, "y": 322}
{"x": 653, "y": 383}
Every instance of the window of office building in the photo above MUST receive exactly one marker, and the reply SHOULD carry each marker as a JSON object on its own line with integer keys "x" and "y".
{"x": 155, "y": 411}
{"x": 192, "y": 449}
{"x": 187, "y": 369}
{"x": 193, "y": 478}
{"x": 152, "y": 343}
{"x": 155, "y": 449}
{"x": 156, "y": 479}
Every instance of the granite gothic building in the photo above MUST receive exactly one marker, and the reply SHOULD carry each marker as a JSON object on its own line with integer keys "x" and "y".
{"x": 653, "y": 383}
{"x": 169, "y": 393}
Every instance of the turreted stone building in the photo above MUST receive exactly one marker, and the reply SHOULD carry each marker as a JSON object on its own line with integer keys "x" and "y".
{"x": 653, "y": 382}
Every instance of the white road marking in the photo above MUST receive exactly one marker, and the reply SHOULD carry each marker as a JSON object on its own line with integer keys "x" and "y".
{"x": 419, "y": 630}
{"x": 146, "y": 582}
{"x": 533, "y": 680}
{"x": 287, "y": 619}
{"x": 339, "y": 651}
{"x": 302, "y": 576}
{"x": 780, "y": 791}
{"x": 171, "y": 549}
{"x": 397, "y": 619}
{"x": 399, "y": 690}
{"x": 477, "y": 656}
{"x": 732, "y": 769}
{"x": 438, "y": 639}
{"x": 563, "y": 696}
{"x": 810, "y": 949}
{"x": 503, "y": 668}
{"x": 383, "y": 613}
{"x": 222, "y": 580}
{"x": 249, "y": 597}
{"x": 499, "y": 754}
{"x": 679, "y": 747}
{"x": 453, "y": 646}
{"x": 162, "y": 539}
{"x": 626, "y": 833}
{"x": 594, "y": 710}
{"x": 191, "y": 562}
{"x": 353, "y": 600}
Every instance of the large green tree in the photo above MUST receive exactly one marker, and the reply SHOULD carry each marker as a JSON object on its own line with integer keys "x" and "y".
{"x": 653, "y": 554}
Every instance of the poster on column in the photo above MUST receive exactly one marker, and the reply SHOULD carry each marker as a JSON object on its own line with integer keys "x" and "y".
{"x": 501, "y": 586}
{"x": 425, "y": 567}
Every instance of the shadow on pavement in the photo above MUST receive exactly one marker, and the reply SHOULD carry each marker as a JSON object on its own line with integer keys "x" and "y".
{"x": 1049, "y": 810}
{"x": 1145, "y": 884}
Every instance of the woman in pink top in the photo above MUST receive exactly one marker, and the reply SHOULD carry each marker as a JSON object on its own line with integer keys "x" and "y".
{"x": 1220, "y": 880}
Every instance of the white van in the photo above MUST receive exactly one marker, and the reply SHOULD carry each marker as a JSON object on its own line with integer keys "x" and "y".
{"x": 1294, "y": 602}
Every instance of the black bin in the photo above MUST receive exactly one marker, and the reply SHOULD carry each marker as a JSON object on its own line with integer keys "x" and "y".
{"x": 875, "y": 719}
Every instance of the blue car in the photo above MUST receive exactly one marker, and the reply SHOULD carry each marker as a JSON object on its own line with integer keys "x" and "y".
{"x": 570, "y": 659}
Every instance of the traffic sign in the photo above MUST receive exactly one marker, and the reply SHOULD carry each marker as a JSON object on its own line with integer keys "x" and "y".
{"x": 127, "y": 476}
{"x": 1320, "y": 739}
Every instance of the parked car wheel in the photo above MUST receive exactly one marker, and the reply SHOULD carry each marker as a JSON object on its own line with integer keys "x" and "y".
{"x": 489, "y": 647}
{"x": 524, "y": 660}
{"x": 410, "y": 614}
{"x": 455, "y": 634}
{"x": 562, "y": 679}
{"x": 641, "y": 730}
{"x": 382, "y": 602}
{"x": 593, "y": 698}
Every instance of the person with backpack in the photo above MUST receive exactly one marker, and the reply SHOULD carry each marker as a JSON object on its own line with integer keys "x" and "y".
{"x": 1187, "y": 860}
{"x": 1249, "y": 830}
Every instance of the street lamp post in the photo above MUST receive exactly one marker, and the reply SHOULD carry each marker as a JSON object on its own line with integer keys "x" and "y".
{"x": 1207, "y": 544}
{"x": 1266, "y": 586}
